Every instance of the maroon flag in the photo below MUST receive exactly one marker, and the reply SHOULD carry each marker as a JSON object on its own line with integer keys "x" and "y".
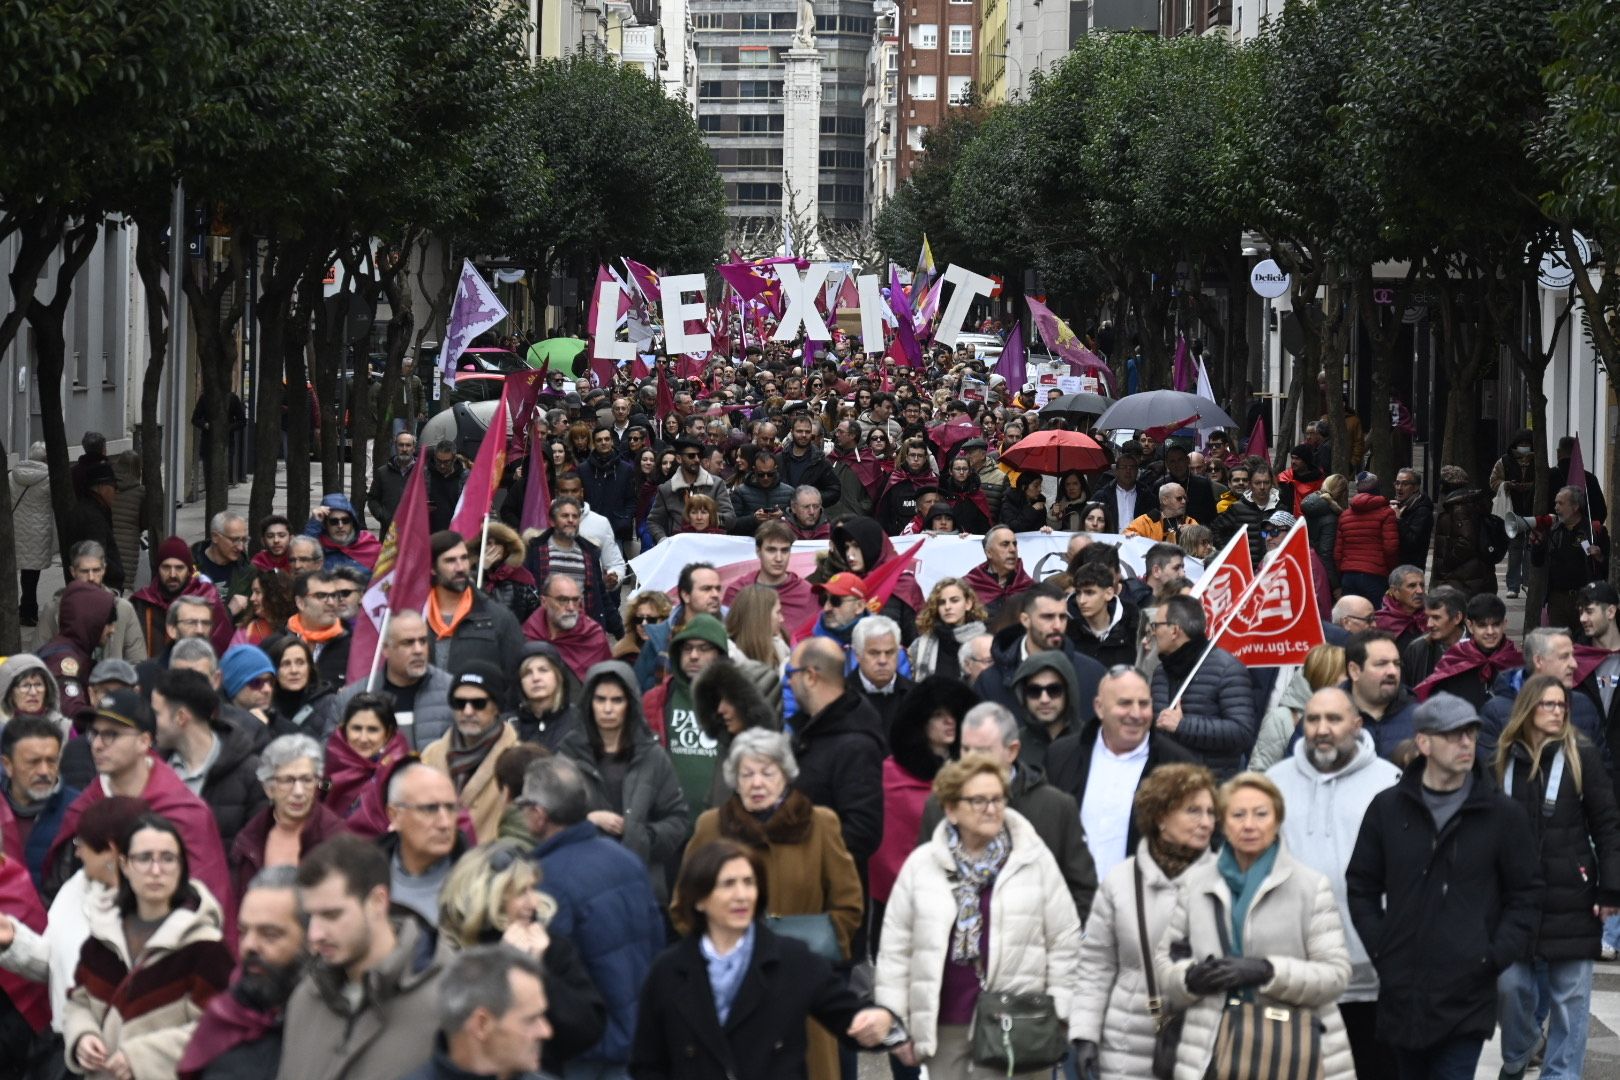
{"x": 403, "y": 574}
{"x": 1257, "y": 440}
{"x": 666, "y": 400}
{"x": 488, "y": 466}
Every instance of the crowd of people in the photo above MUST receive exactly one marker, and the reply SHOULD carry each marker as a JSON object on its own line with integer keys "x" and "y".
{"x": 1006, "y": 827}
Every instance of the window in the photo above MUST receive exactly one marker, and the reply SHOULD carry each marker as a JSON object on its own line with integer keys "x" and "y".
{"x": 925, "y": 36}
{"x": 754, "y": 125}
{"x": 710, "y": 54}
{"x": 843, "y": 159}
{"x": 711, "y": 123}
{"x": 759, "y": 88}
{"x": 758, "y": 157}
{"x": 923, "y": 88}
{"x": 961, "y": 41}
{"x": 754, "y": 55}
{"x": 756, "y": 20}
{"x": 759, "y": 193}
{"x": 961, "y": 89}
{"x": 844, "y": 193}
{"x": 785, "y": 20}
{"x": 843, "y": 125}
{"x": 710, "y": 20}
{"x": 915, "y": 135}
{"x": 709, "y": 90}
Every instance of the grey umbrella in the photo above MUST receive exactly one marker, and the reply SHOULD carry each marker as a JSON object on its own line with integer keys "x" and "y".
{"x": 1160, "y": 408}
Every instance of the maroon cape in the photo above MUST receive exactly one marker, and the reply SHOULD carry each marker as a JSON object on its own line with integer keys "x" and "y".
{"x": 266, "y": 561}
{"x": 1466, "y": 656}
{"x": 990, "y": 590}
{"x": 581, "y": 648}
{"x": 1587, "y": 659}
{"x": 370, "y": 817}
{"x": 225, "y": 1024}
{"x": 870, "y": 471}
{"x": 154, "y": 596}
{"x": 168, "y": 795}
{"x": 798, "y": 599}
{"x": 348, "y": 774}
{"x": 19, "y": 900}
{"x": 1393, "y": 619}
{"x": 363, "y": 549}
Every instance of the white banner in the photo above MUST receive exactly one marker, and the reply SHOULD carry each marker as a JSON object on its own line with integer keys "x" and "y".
{"x": 942, "y": 556}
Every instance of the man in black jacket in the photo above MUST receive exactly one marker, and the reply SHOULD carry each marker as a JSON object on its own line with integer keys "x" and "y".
{"x": 1043, "y": 624}
{"x": 1443, "y": 887}
{"x": 610, "y": 483}
{"x": 445, "y": 478}
{"x": 1117, "y": 749}
{"x": 463, "y": 630}
{"x": 1414, "y": 517}
{"x": 875, "y": 644}
{"x": 92, "y": 519}
{"x": 802, "y": 462}
{"x": 212, "y": 757}
{"x": 838, "y": 740}
{"x": 388, "y": 482}
{"x": 1101, "y": 625}
{"x": 1200, "y": 489}
{"x": 1123, "y": 499}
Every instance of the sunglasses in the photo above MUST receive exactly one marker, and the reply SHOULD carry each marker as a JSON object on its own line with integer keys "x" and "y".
{"x": 334, "y": 519}
{"x": 462, "y": 704}
{"x": 1044, "y": 690}
{"x": 643, "y": 620}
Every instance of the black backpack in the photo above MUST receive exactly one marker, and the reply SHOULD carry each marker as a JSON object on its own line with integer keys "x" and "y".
{"x": 1493, "y": 538}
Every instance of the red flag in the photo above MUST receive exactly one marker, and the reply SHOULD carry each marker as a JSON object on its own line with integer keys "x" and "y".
{"x": 1276, "y": 621}
{"x": 403, "y": 574}
{"x": 488, "y": 466}
{"x": 524, "y": 398}
{"x": 666, "y": 400}
{"x": 645, "y": 279}
{"x": 1257, "y": 440}
{"x": 881, "y": 582}
{"x": 1226, "y": 577}
{"x": 536, "y": 490}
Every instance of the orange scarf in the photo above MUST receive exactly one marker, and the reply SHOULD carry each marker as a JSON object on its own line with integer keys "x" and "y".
{"x": 435, "y": 614}
{"x": 295, "y": 625}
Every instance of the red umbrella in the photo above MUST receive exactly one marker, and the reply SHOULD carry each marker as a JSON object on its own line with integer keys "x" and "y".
{"x": 1053, "y": 452}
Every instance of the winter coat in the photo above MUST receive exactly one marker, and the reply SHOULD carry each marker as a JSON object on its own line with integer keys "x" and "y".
{"x": 721, "y": 681}
{"x": 1034, "y": 932}
{"x": 129, "y": 510}
{"x": 1115, "y": 645}
{"x": 12, "y": 669}
{"x": 812, "y": 470}
{"x": 127, "y": 641}
{"x": 1415, "y": 525}
{"x": 1493, "y": 718}
{"x": 489, "y": 633}
{"x": 610, "y": 488}
{"x": 1569, "y": 566}
{"x": 1458, "y": 558}
{"x": 32, "y": 516}
{"x": 1280, "y": 724}
{"x": 1579, "y": 845}
{"x": 928, "y": 654}
{"x": 391, "y": 1032}
{"x": 995, "y": 683}
{"x": 748, "y": 498}
{"x": 1322, "y": 527}
{"x": 1019, "y": 514}
{"x": 443, "y": 493}
{"x": 840, "y": 752}
{"x": 482, "y": 796}
{"x": 1325, "y": 811}
{"x": 605, "y": 906}
{"x": 908, "y": 775}
{"x": 387, "y": 488}
{"x": 1293, "y": 922}
{"x": 1068, "y": 764}
{"x": 430, "y": 716}
{"x": 85, "y": 611}
{"x": 1218, "y": 721}
{"x": 147, "y": 1006}
{"x": 669, "y": 504}
{"x": 1369, "y": 540}
{"x": 680, "y": 1036}
{"x": 656, "y": 820}
{"x": 1111, "y": 998}
{"x": 93, "y": 521}
{"x": 247, "y": 850}
{"x": 1245, "y": 515}
{"x": 593, "y": 589}
{"x": 232, "y": 788}
{"x": 1442, "y": 913}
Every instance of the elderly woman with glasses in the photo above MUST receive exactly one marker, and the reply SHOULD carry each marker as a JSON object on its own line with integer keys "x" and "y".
{"x": 801, "y": 847}
{"x": 292, "y": 770}
{"x": 982, "y": 907}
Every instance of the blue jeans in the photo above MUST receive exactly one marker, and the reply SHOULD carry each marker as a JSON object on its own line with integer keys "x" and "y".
{"x": 1611, "y": 931}
{"x": 1570, "y": 996}
{"x": 1518, "y": 562}
{"x": 1371, "y": 586}
{"x": 1455, "y": 1059}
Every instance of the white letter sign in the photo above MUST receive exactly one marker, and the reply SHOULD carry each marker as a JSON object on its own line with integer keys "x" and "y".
{"x": 605, "y": 343}
{"x": 969, "y": 287}
{"x": 801, "y": 294}
{"x": 677, "y": 314}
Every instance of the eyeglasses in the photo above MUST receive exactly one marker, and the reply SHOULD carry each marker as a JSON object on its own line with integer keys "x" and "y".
{"x": 566, "y": 601}
{"x": 336, "y": 519}
{"x": 313, "y": 560}
{"x": 108, "y": 735}
{"x": 429, "y": 809}
{"x": 322, "y": 597}
{"x": 194, "y": 624}
{"x": 1044, "y": 690}
{"x": 462, "y": 704}
{"x": 238, "y": 541}
{"x": 790, "y": 670}
{"x": 287, "y": 783}
{"x": 984, "y": 803}
{"x": 1552, "y": 706}
{"x": 166, "y": 859}
{"x": 31, "y": 686}
{"x": 1356, "y": 618}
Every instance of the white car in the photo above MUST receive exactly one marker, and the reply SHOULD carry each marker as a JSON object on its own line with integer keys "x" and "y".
{"x": 986, "y": 347}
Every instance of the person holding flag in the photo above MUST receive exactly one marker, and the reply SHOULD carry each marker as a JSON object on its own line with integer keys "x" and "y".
{"x": 1574, "y": 549}
{"x": 1202, "y": 696}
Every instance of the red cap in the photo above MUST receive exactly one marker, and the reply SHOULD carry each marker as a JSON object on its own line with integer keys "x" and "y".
{"x": 845, "y": 584}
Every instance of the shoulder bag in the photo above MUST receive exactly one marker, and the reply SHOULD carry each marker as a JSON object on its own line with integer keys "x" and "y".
{"x": 815, "y": 931}
{"x": 1015, "y": 1033}
{"x": 1257, "y": 1041}
{"x": 1166, "y": 1028}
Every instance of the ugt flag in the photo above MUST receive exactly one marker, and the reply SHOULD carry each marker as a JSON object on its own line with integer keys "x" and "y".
{"x": 1276, "y": 622}
{"x": 1226, "y": 578}
{"x": 475, "y": 310}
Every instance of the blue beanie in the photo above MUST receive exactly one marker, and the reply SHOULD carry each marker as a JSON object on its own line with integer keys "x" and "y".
{"x": 241, "y": 665}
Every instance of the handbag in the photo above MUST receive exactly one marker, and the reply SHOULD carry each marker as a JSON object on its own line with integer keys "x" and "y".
{"x": 1166, "y": 1029}
{"x": 1016, "y": 1032}
{"x": 815, "y": 931}
{"x": 1257, "y": 1041}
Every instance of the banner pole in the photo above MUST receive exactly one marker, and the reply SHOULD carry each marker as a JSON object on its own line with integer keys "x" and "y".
{"x": 376, "y": 656}
{"x": 483, "y": 548}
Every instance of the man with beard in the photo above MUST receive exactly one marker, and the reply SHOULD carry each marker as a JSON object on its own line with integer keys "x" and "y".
{"x": 1042, "y": 626}
{"x": 669, "y": 503}
{"x": 176, "y": 576}
{"x": 1372, "y": 664}
{"x": 370, "y": 1006}
{"x": 388, "y": 482}
{"x": 315, "y": 594}
{"x": 1048, "y": 703}
{"x": 802, "y": 462}
{"x": 1470, "y": 668}
{"x": 859, "y": 475}
{"x": 1304, "y": 478}
{"x": 899, "y": 502}
{"x": 609, "y": 483}
{"x": 1335, "y": 771}
{"x": 31, "y": 756}
{"x": 239, "y": 1034}
{"x": 561, "y": 551}
{"x": 560, "y": 620}
{"x": 1200, "y": 489}
{"x": 336, "y": 525}
{"x": 1000, "y": 579}
{"x": 805, "y": 518}
{"x": 596, "y": 529}
{"x": 464, "y": 624}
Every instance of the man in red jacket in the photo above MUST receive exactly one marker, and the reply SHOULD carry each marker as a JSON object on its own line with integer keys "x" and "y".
{"x": 1368, "y": 545}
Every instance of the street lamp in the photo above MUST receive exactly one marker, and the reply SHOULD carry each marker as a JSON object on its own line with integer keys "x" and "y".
{"x": 1009, "y": 58}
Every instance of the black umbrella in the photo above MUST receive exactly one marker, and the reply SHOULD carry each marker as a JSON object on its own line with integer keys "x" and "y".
{"x": 1072, "y": 406}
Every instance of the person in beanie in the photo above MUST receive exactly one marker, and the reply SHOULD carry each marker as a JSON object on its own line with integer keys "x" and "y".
{"x": 672, "y": 715}
{"x": 1443, "y": 888}
{"x": 248, "y": 677}
{"x": 467, "y": 753}
{"x": 176, "y": 575}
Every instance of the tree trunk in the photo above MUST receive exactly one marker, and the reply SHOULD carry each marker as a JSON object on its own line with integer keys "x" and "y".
{"x": 295, "y": 343}
{"x": 10, "y": 629}
{"x": 283, "y": 263}
{"x": 216, "y": 307}
{"x": 150, "y": 254}
{"x": 51, "y": 346}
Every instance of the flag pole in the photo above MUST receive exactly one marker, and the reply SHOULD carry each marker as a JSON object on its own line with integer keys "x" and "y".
{"x": 483, "y": 548}
{"x": 376, "y": 656}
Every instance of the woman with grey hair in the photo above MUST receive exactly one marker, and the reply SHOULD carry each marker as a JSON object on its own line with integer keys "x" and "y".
{"x": 808, "y": 870}
{"x": 293, "y": 772}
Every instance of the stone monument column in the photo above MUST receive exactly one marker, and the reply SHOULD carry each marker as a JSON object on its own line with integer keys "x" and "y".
{"x": 801, "y": 132}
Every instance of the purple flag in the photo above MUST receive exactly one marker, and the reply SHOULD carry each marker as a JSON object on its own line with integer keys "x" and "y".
{"x": 476, "y": 309}
{"x": 536, "y": 492}
{"x": 1011, "y": 364}
{"x": 1182, "y": 375}
{"x": 905, "y": 334}
{"x": 1063, "y": 341}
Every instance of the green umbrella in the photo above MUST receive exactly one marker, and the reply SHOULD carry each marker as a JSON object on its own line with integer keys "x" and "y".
{"x": 562, "y": 353}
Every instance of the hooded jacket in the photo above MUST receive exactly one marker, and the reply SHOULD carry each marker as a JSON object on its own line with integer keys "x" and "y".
{"x": 1442, "y": 912}
{"x": 840, "y": 752}
{"x": 390, "y": 1033}
{"x": 1325, "y": 811}
{"x": 360, "y": 553}
{"x": 876, "y": 550}
{"x": 147, "y": 1006}
{"x": 656, "y": 819}
{"x": 995, "y": 683}
{"x": 1218, "y": 719}
{"x": 548, "y": 729}
{"x": 1115, "y": 645}
{"x": 85, "y": 612}
{"x": 723, "y": 680}
{"x": 1369, "y": 539}
{"x": 12, "y": 669}
{"x": 1036, "y": 736}
{"x": 909, "y": 770}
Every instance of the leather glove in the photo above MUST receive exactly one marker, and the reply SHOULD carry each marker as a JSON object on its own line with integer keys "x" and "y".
{"x": 1085, "y": 1058}
{"x": 1205, "y": 977}
{"x": 1242, "y": 971}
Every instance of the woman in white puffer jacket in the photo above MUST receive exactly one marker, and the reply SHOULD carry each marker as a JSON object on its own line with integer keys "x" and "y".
{"x": 981, "y": 905}
{"x": 1110, "y": 1022}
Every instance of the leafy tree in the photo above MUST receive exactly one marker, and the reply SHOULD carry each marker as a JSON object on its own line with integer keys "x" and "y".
{"x": 921, "y": 206}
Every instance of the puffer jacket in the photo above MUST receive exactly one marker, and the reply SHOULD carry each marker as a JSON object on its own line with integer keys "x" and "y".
{"x": 1292, "y": 922}
{"x": 1111, "y": 998}
{"x": 1034, "y": 932}
{"x": 1457, "y": 554}
{"x": 1324, "y": 819}
{"x": 232, "y": 788}
{"x": 1322, "y": 527}
{"x": 129, "y": 510}
{"x": 430, "y": 718}
{"x": 1281, "y": 723}
{"x": 32, "y": 516}
{"x": 747, "y": 499}
{"x": 1218, "y": 721}
{"x": 147, "y": 1006}
{"x": 1369, "y": 540}
{"x": 1579, "y": 845}
{"x": 669, "y": 503}
{"x": 482, "y": 796}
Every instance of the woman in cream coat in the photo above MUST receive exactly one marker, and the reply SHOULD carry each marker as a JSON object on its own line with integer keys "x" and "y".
{"x": 1283, "y": 924}
{"x": 935, "y": 941}
{"x": 1112, "y": 1028}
